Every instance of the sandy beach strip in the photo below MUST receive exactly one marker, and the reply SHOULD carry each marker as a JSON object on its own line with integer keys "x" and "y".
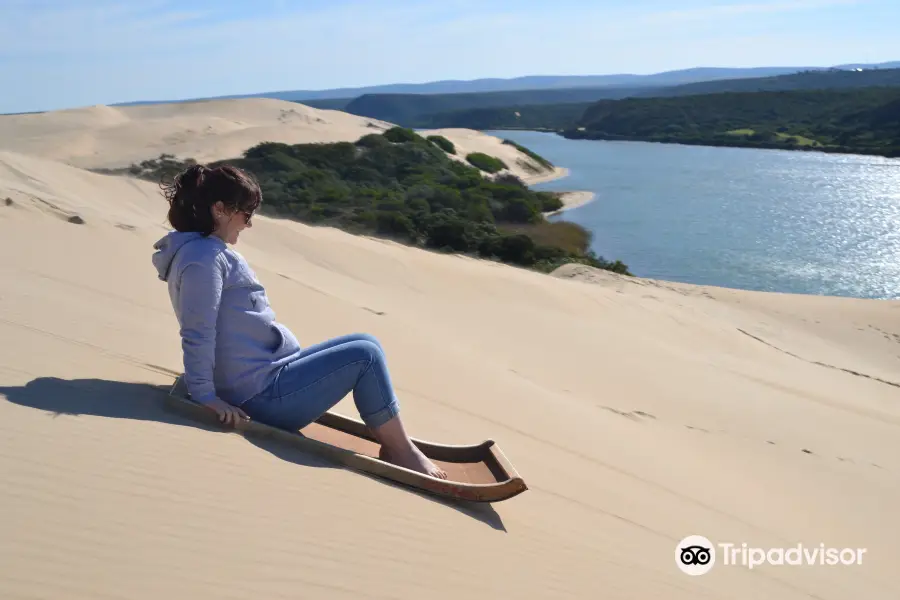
{"x": 572, "y": 200}
{"x": 556, "y": 173}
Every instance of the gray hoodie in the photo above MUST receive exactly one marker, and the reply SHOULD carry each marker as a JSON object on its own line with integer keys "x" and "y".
{"x": 232, "y": 344}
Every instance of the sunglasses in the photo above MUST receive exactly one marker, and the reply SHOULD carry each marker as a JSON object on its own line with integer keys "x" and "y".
{"x": 248, "y": 214}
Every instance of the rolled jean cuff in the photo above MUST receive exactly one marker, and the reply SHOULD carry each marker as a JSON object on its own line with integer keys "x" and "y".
{"x": 379, "y": 418}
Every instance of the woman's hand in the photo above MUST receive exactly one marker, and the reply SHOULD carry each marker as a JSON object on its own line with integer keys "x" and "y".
{"x": 228, "y": 414}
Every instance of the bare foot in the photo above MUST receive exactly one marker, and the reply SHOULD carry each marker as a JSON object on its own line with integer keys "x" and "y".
{"x": 413, "y": 459}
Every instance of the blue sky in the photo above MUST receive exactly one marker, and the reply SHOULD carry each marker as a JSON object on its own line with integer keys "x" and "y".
{"x": 69, "y": 53}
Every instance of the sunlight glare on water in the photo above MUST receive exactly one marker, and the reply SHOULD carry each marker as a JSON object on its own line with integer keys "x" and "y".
{"x": 786, "y": 221}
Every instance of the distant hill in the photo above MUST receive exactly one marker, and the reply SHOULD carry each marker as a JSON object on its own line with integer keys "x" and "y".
{"x": 531, "y": 82}
{"x": 885, "y": 65}
{"x": 808, "y": 80}
{"x": 561, "y": 109}
{"x": 422, "y": 110}
{"x": 548, "y": 117}
{"x": 859, "y": 121}
{"x": 329, "y": 103}
{"x": 540, "y": 82}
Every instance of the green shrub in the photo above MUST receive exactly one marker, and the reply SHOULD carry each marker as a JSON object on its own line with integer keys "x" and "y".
{"x": 486, "y": 163}
{"x": 442, "y": 143}
{"x": 395, "y": 224}
{"x": 518, "y": 210}
{"x": 517, "y": 249}
{"x": 373, "y": 140}
{"x": 447, "y": 230}
{"x": 550, "y": 201}
{"x": 510, "y": 179}
{"x": 401, "y": 135}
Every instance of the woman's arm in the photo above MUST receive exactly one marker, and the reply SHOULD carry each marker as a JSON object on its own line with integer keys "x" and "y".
{"x": 199, "y": 299}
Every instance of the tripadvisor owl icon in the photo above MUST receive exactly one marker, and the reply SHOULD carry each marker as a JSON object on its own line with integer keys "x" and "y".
{"x": 695, "y": 555}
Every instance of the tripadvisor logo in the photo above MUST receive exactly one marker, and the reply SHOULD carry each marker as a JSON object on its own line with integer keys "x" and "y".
{"x": 696, "y": 555}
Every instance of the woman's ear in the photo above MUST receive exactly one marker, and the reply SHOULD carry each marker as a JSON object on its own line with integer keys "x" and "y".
{"x": 218, "y": 211}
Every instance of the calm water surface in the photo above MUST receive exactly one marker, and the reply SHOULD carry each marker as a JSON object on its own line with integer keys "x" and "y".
{"x": 766, "y": 220}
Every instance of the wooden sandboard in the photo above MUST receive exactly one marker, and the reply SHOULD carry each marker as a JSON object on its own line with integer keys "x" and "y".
{"x": 479, "y": 473}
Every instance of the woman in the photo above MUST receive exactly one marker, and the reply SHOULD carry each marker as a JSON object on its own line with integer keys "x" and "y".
{"x": 239, "y": 361}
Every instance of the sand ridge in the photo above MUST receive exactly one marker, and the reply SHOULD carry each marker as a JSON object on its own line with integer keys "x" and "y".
{"x": 109, "y": 137}
{"x": 638, "y": 411}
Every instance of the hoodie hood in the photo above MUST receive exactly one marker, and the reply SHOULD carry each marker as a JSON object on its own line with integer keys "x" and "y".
{"x": 168, "y": 246}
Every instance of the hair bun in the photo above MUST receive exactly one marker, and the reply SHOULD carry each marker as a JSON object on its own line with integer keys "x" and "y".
{"x": 192, "y": 177}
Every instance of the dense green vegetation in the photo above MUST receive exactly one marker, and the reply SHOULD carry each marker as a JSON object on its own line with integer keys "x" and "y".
{"x": 410, "y": 191}
{"x": 427, "y": 111}
{"x": 862, "y": 121}
{"x": 486, "y": 163}
{"x": 535, "y": 117}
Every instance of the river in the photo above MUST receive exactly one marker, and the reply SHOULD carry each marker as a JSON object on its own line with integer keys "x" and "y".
{"x": 768, "y": 220}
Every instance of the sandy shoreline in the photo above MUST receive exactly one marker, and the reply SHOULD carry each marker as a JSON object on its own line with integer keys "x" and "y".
{"x": 556, "y": 173}
{"x": 572, "y": 200}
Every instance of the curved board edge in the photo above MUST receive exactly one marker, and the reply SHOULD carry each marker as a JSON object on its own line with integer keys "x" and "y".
{"x": 491, "y": 492}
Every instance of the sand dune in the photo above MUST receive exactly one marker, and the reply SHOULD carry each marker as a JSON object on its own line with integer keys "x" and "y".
{"x": 520, "y": 164}
{"x": 638, "y": 411}
{"x": 114, "y": 137}
{"x": 108, "y": 137}
{"x": 69, "y": 193}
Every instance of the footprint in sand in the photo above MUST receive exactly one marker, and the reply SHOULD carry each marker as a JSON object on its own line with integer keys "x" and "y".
{"x": 692, "y": 428}
{"x": 632, "y": 415}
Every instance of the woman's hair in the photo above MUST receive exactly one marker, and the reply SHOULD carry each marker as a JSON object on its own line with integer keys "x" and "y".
{"x": 193, "y": 192}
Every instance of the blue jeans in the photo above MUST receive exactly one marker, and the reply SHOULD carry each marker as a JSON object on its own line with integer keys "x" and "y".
{"x": 320, "y": 377}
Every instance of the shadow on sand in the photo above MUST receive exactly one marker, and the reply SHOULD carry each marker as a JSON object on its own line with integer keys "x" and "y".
{"x": 142, "y": 401}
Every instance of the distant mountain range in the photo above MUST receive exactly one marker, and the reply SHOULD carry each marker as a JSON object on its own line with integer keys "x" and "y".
{"x": 886, "y": 75}
{"x": 538, "y": 82}
{"x": 559, "y": 108}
